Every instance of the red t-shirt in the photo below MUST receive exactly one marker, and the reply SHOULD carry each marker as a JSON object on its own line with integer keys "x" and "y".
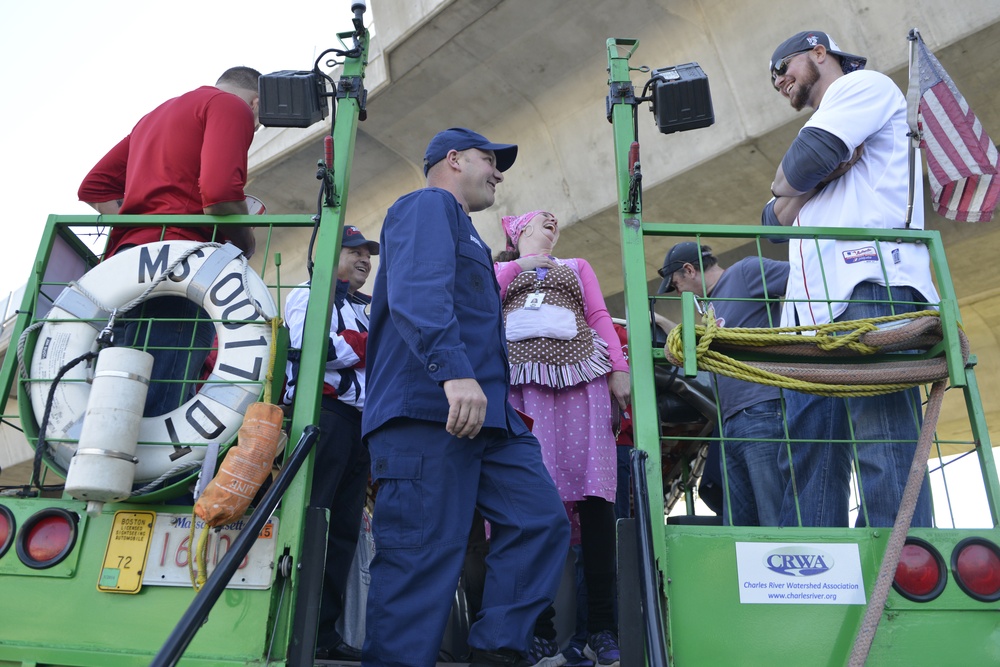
{"x": 188, "y": 153}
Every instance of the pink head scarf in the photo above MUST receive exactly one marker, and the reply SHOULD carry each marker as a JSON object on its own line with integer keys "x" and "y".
{"x": 513, "y": 225}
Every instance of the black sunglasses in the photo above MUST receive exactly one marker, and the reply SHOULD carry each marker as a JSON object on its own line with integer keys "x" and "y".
{"x": 782, "y": 66}
{"x": 704, "y": 253}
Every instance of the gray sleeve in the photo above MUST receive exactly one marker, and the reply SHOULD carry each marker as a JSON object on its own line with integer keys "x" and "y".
{"x": 763, "y": 277}
{"x": 769, "y": 219}
{"x": 767, "y": 216}
{"x": 776, "y": 275}
{"x": 813, "y": 155}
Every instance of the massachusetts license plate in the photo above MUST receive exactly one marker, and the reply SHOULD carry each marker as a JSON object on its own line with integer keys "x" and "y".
{"x": 171, "y": 550}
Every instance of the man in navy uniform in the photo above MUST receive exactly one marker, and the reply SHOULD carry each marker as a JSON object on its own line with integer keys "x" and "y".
{"x": 443, "y": 438}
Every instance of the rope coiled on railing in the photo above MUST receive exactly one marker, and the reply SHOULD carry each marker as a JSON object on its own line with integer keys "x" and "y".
{"x": 918, "y": 331}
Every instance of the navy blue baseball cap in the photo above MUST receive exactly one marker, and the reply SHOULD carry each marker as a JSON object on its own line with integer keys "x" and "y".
{"x": 807, "y": 40}
{"x": 687, "y": 252}
{"x": 353, "y": 238}
{"x": 460, "y": 139}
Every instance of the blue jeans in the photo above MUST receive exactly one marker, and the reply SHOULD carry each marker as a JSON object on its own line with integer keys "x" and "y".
{"x": 885, "y": 429}
{"x": 175, "y": 366}
{"x": 754, "y": 438}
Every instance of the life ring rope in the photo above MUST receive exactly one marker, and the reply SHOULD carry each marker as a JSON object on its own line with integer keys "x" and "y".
{"x": 152, "y": 285}
{"x": 21, "y": 343}
{"x": 172, "y": 472}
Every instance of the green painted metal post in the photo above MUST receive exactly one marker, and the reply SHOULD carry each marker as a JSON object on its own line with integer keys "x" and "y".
{"x": 316, "y": 331}
{"x": 621, "y": 106}
{"x": 984, "y": 447}
{"x": 688, "y": 323}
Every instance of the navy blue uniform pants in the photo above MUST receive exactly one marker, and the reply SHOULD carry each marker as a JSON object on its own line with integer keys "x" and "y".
{"x": 429, "y": 484}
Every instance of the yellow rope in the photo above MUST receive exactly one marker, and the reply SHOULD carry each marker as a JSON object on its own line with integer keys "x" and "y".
{"x": 202, "y": 558}
{"x": 194, "y": 522}
{"x": 275, "y": 323}
{"x": 197, "y": 554}
{"x": 825, "y": 339}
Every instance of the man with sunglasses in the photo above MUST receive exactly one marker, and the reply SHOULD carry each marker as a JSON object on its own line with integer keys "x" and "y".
{"x": 847, "y": 168}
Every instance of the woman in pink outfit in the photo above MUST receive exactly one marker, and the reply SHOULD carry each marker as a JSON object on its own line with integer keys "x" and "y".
{"x": 567, "y": 367}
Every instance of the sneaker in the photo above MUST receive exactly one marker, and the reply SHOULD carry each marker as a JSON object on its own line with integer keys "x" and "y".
{"x": 545, "y": 653}
{"x": 575, "y": 658}
{"x": 498, "y": 658}
{"x": 602, "y": 648}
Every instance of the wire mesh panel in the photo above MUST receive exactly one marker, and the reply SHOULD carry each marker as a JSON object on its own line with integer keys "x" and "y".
{"x": 832, "y": 360}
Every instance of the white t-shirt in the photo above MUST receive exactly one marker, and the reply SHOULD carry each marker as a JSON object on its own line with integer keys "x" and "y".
{"x": 861, "y": 107}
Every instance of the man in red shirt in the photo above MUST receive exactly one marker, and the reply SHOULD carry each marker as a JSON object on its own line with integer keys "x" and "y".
{"x": 187, "y": 156}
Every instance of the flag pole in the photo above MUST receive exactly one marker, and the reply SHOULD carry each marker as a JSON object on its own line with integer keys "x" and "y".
{"x": 912, "y": 102}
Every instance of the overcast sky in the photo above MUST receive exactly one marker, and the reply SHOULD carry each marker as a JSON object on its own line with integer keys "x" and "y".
{"x": 78, "y": 75}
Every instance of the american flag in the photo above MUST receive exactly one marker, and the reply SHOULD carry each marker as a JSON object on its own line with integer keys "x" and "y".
{"x": 962, "y": 161}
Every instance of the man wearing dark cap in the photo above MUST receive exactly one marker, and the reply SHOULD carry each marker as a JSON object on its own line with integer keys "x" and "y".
{"x": 848, "y": 167}
{"x": 341, "y": 463}
{"x": 753, "y": 424}
{"x": 443, "y": 438}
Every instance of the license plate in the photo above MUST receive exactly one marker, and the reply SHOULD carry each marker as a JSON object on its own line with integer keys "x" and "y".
{"x": 125, "y": 556}
{"x": 170, "y": 552}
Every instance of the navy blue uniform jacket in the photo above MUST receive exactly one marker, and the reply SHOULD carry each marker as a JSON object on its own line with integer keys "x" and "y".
{"x": 435, "y": 316}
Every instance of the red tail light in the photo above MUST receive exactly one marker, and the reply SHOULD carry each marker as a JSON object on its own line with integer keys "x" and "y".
{"x": 920, "y": 574}
{"x": 976, "y": 564}
{"x": 7, "y": 527}
{"x": 47, "y": 538}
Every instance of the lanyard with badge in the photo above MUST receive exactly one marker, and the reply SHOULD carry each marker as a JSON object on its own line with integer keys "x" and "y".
{"x": 535, "y": 299}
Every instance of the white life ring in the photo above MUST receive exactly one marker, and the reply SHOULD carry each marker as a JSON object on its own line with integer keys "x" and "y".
{"x": 211, "y": 277}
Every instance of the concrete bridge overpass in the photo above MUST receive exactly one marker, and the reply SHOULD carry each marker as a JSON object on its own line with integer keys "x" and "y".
{"x": 533, "y": 72}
